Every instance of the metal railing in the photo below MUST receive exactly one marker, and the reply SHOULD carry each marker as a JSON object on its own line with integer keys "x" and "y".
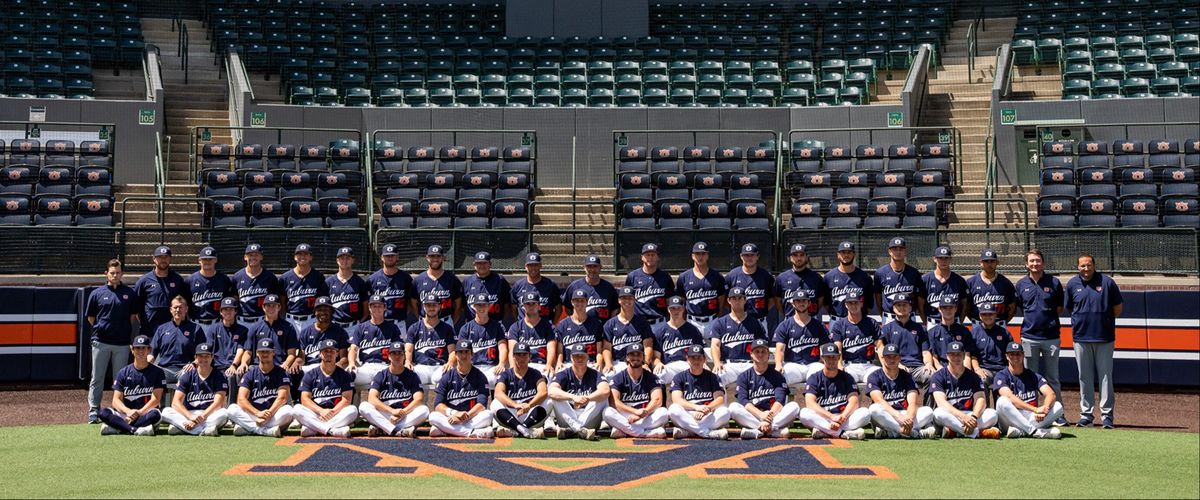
{"x": 972, "y": 51}
{"x": 160, "y": 173}
{"x": 181, "y": 48}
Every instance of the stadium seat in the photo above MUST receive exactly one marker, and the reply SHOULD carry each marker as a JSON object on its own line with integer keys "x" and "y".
{"x": 266, "y": 213}
{"x": 304, "y": 214}
{"x": 631, "y": 159}
{"x": 342, "y": 214}
{"x": 509, "y": 214}
{"x": 1181, "y": 211}
{"x": 248, "y": 157}
{"x": 1097, "y": 211}
{"x": 1139, "y": 212}
{"x": 675, "y": 215}
{"x": 920, "y": 214}
{"x": 228, "y": 213}
{"x": 93, "y": 181}
{"x": 712, "y": 215}
{"x": 472, "y": 214}
{"x": 1056, "y": 211}
{"x": 637, "y": 215}
{"x": 93, "y": 211}
{"x": 837, "y": 159}
{"x": 281, "y": 158}
{"x": 53, "y": 210}
{"x": 751, "y": 215}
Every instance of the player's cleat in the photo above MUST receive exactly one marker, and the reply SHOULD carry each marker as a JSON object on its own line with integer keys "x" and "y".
{"x": 305, "y": 432}
{"x": 537, "y": 433}
{"x": 505, "y": 432}
{"x": 211, "y": 431}
{"x": 1062, "y": 421}
{"x": 881, "y": 433}
{"x": 550, "y": 428}
{"x": 989, "y": 433}
{"x": 174, "y": 431}
{"x": 93, "y": 417}
{"x": 295, "y": 425}
{"x": 616, "y": 434}
{"x": 485, "y": 433}
{"x": 588, "y": 434}
{"x": 948, "y": 433}
{"x": 435, "y": 432}
{"x": 407, "y": 432}
{"x": 340, "y": 432}
{"x": 719, "y": 435}
{"x": 856, "y": 434}
{"x": 818, "y": 434}
{"x": 144, "y": 431}
{"x": 750, "y": 434}
{"x": 658, "y": 433}
{"x": 240, "y": 431}
{"x": 1084, "y": 421}
{"x": 780, "y": 434}
{"x": 928, "y": 433}
{"x": 565, "y": 433}
{"x": 273, "y": 431}
{"x": 1054, "y": 433}
{"x": 108, "y": 430}
{"x": 678, "y": 433}
{"x": 1106, "y": 422}
{"x": 1014, "y": 433}
{"x": 374, "y": 432}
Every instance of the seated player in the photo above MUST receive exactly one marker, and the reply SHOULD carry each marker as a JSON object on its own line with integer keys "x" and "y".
{"x": 762, "y": 407}
{"x": 520, "y": 404}
{"x": 961, "y": 405}
{"x": 536, "y": 332}
{"x": 730, "y": 338}
{"x": 263, "y": 395}
{"x": 395, "y": 405}
{"x": 579, "y": 396}
{"x": 798, "y": 340}
{"x": 327, "y": 397}
{"x": 488, "y": 347}
{"x": 580, "y": 328}
{"x": 460, "y": 407}
{"x": 698, "y": 400}
{"x": 173, "y": 345}
{"x": 137, "y": 391}
{"x": 428, "y": 344}
{"x": 948, "y": 330}
{"x": 908, "y": 335}
{"x": 637, "y": 399}
{"x": 198, "y": 407}
{"x": 673, "y": 337}
{"x": 1017, "y": 391}
{"x": 368, "y": 340}
{"x": 228, "y": 338}
{"x": 274, "y": 327}
{"x": 895, "y": 402}
{"x": 857, "y": 336}
{"x": 990, "y": 339}
{"x": 312, "y": 337}
{"x": 831, "y": 407}
{"x": 623, "y": 330}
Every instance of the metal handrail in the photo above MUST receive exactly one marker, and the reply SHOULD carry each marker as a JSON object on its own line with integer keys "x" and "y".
{"x": 161, "y": 200}
{"x": 160, "y": 175}
{"x": 972, "y": 50}
{"x": 181, "y": 48}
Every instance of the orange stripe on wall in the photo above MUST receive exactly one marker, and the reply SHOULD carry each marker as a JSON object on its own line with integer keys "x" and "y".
{"x": 1140, "y": 339}
{"x": 16, "y": 334}
{"x": 38, "y": 333}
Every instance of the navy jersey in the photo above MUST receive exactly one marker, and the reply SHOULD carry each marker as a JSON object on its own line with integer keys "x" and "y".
{"x": 838, "y": 284}
{"x": 1026, "y": 386}
{"x": 310, "y": 339}
{"x": 537, "y": 337}
{"x": 175, "y": 345}
{"x": 895, "y": 391}
{"x": 910, "y": 337}
{"x": 498, "y": 292}
{"x": 699, "y": 389}
{"x": 702, "y": 294}
{"x": 252, "y": 290}
{"x": 858, "y": 339}
{"x": 431, "y": 346}
{"x": 589, "y": 333}
{"x": 651, "y": 292}
{"x": 762, "y": 390}
{"x": 548, "y": 292}
{"x": 326, "y": 390}
{"x": 206, "y": 295}
{"x": 758, "y": 287}
{"x": 395, "y": 390}
{"x": 281, "y": 332}
{"x": 372, "y": 339}
{"x": 671, "y": 343}
{"x": 585, "y": 386}
{"x": 485, "y": 341}
{"x": 302, "y": 292}
{"x": 806, "y": 279}
{"x": 622, "y": 335}
{"x": 940, "y": 338}
{"x": 228, "y": 339}
{"x": 395, "y": 289}
{"x": 958, "y": 391}
{"x": 199, "y": 392}
{"x": 349, "y": 298}
{"x": 1091, "y": 305}
{"x": 602, "y": 298}
{"x": 462, "y": 392}
{"x": 1039, "y": 303}
{"x": 635, "y": 393}
{"x": 801, "y": 343}
{"x": 154, "y": 296}
{"x": 1000, "y": 291}
{"x": 447, "y": 288}
{"x": 936, "y": 290}
{"x": 520, "y": 389}
{"x": 112, "y": 308}
{"x": 735, "y": 338}
{"x": 990, "y": 343}
{"x": 264, "y": 387}
{"x": 890, "y": 283}
{"x": 137, "y": 386}
{"x": 833, "y": 394}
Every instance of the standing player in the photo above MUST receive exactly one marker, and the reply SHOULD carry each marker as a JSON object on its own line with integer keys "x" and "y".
{"x": 326, "y": 397}
{"x": 1040, "y": 296}
{"x": 637, "y": 399}
{"x": 730, "y": 337}
{"x": 279, "y": 331}
{"x": 174, "y": 343}
{"x": 302, "y": 285}
{"x": 1095, "y": 303}
{"x": 228, "y": 340}
{"x": 198, "y": 407}
{"x": 940, "y": 284}
{"x": 1017, "y": 392}
{"x": 961, "y": 405}
{"x": 263, "y": 395}
{"x": 111, "y": 310}
{"x": 428, "y": 344}
{"x": 846, "y": 278}
{"x": 155, "y": 289}
{"x": 800, "y": 277}
{"x": 989, "y": 286}
{"x": 534, "y": 282}
{"x": 698, "y": 400}
{"x": 208, "y": 286}
{"x": 460, "y": 408}
{"x": 536, "y": 333}
{"x": 990, "y": 340}
{"x": 762, "y": 407}
{"x": 137, "y": 391}
{"x": 651, "y": 287}
{"x": 947, "y": 331}
{"x": 581, "y": 328}
{"x": 755, "y": 282}
{"x": 895, "y": 278}
{"x": 896, "y": 404}
{"x": 602, "y": 296}
{"x": 798, "y": 339}
{"x": 622, "y": 331}
{"x": 831, "y": 407}
{"x": 703, "y": 288}
{"x": 488, "y": 347}
{"x": 579, "y": 396}
{"x": 368, "y": 342}
{"x": 395, "y": 285}
{"x": 253, "y": 285}
{"x": 911, "y": 341}
{"x": 311, "y": 341}
{"x": 348, "y": 292}
{"x": 520, "y": 403}
{"x": 857, "y": 337}
{"x": 672, "y": 338}
{"x": 395, "y": 405}
{"x": 484, "y": 281}
{"x": 442, "y": 284}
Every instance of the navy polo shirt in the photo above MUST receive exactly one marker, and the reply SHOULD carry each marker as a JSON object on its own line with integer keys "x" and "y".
{"x": 112, "y": 308}
{"x": 990, "y": 343}
{"x": 910, "y": 337}
{"x": 154, "y": 296}
{"x": 228, "y": 340}
{"x": 1091, "y": 304}
{"x": 940, "y": 338}
{"x": 1040, "y": 302}
{"x": 175, "y": 345}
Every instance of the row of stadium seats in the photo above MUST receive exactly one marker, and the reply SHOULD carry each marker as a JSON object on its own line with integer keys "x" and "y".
{"x": 55, "y": 153}
{"x": 878, "y": 213}
{"x": 1103, "y": 211}
{"x": 574, "y": 97}
{"x": 399, "y": 213}
{"x": 52, "y": 209}
{"x": 1058, "y": 19}
{"x": 341, "y": 155}
{"x": 694, "y": 160}
{"x": 1161, "y": 153}
{"x": 255, "y": 212}
{"x": 907, "y": 158}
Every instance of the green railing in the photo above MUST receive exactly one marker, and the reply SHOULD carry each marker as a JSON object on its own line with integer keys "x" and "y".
{"x": 86, "y": 131}
{"x": 972, "y": 50}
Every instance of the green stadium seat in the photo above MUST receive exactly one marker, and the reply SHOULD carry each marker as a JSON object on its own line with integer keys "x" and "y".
{"x": 326, "y": 96}
{"x": 495, "y": 96}
{"x": 416, "y": 97}
{"x": 864, "y": 65}
{"x": 1173, "y": 69}
{"x": 1164, "y": 84}
{"x": 1106, "y": 56}
{"x": 1078, "y": 72}
{"x": 574, "y": 97}
{"x": 1076, "y": 87}
{"x": 469, "y": 96}
{"x": 548, "y": 97}
{"x": 600, "y": 97}
{"x": 1049, "y": 50}
{"x": 1130, "y": 42}
{"x": 1130, "y": 86}
{"x": 826, "y": 95}
{"x": 762, "y": 96}
{"x": 1024, "y": 52}
{"x": 520, "y": 96}
{"x": 852, "y": 94}
{"x": 628, "y": 97}
{"x": 1158, "y": 40}
{"x": 656, "y": 81}
{"x": 1103, "y": 43}
{"x": 710, "y": 68}
{"x": 655, "y": 98}
{"x": 737, "y": 68}
{"x": 390, "y": 98}
{"x": 441, "y": 96}
{"x": 601, "y": 81}
{"x": 799, "y": 67}
{"x": 765, "y": 68}
{"x": 302, "y": 96}
{"x": 1079, "y": 57}
{"x": 708, "y": 97}
{"x": 358, "y": 96}
{"x": 1130, "y": 56}
{"x": 683, "y": 97}
{"x": 1142, "y": 70}
{"x": 629, "y": 81}
{"x": 1191, "y": 84}
{"x": 739, "y": 81}
{"x": 1161, "y": 54}
{"x": 802, "y": 80}
{"x": 466, "y": 81}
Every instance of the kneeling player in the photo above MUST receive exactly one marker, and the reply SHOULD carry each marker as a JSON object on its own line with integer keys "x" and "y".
{"x": 762, "y": 407}
{"x": 698, "y": 400}
{"x": 1017, "y": 395}
{"x": 674, "y": 336}
{"x": 263, "y": 395}
{"x": 395, "y": 405}
{"x": 798, "y": 340}
{"x": 579, "y": 396}
{"x": 326, "y": 397}
{"x": 137, "y": 391}
{"x": 831, "y": 407}
{"x": 368, "y": 340}
{"x": 961, "y": 405}
{"x": 520, "y": 403}
{"x": 637, "y": 399}
{"x": 462, "y": 399}
{"x": 896, "y": 404}
{"x": 198, "y": 407}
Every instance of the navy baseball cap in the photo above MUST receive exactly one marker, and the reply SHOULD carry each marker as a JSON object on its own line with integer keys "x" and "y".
{"x": 521, "y": 348}
{"x": 463, "y": 345}
{"x": 650, "y": 247}
{"x": 580, "y": 349}
{"x": 389, "y": 250}
{"x": 736, "y": 292}
{"x": 208, "y": 253}
{"x": 533, "y": 258}
{"x": 852, "y": 296}
{"x": 798, "y": 248}
{"x": 328, "y": 344}
{"x": 694, "y": 350}
{"x": 229, "y": 303}
{"x": 322, "y": 302}
{"x": 636, "y": 347}
{"x": 799, "y": 294}
{"x": 829, "y": 349}
{"x": 162, "y": 251}
{"x": 988, "y": 254}
{"x": 591, "y": 260}
{"x": 950, "y": 299}
{"x": 253, "y": 248}
{"x": 479, "y": 298}
{"x": 955, "y": 347}
{"x": 700, "y": 247}
{"x": 760, "y": 343}
{"x": 396, "y": 346}
{"x": 271, "y": 299}
{"x": 376, "y": 299}
{"x": 891, "y": 350}
{"x": 626, "y": 291}
{"x": 434, "y": 250}
{"x": 1014, "y": 347}
{"x": 897, "y": 242}
{"x": 345, "y": 251}
{"x": 266, "y": 344}
{"x": 141, "y": 340}
{"x": 749, "y": 249}
{"x": 987, "y": 308}
{"x": 846, "y": 246}
{"x": 483, "y": 257}
{"x": 532, "y": 297}
{"x": 902, "y": 297}
{"x": 675, "y": 301}
{"x": 943, "y": 251}
{"x": 205, "y": 348}
{"x": 302, "y": 248}
{"x": 430, "y": 298}
{"x": 580, "y": 294}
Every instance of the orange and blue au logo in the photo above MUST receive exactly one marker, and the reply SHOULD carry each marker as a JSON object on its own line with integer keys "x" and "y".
{"x": 498, "y": 465}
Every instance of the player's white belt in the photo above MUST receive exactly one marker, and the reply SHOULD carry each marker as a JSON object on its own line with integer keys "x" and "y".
{"x": 702, "y": 319}
{"x": 299, "y": 317}
{"x": 346, "y": 324}
{"x": 205, "y": 322}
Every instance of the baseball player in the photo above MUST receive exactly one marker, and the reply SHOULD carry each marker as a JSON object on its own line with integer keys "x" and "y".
{"x": 579, "y": 396}
{"x": 253, "y": 285}
{"x": 755, "y": 282}
{"x": 672, "y": 338}
{"x": 326, "y": 396}
{"x": 208, "y": 286}
{"x": 698, "y": 400}
{"x": 428, "y": 344}
{"x": 762, "y": 407}
{"x": 489, "y": 349}
{"x": 602, "y": 296}
{"x": 311, "y": 341}
{"x": 857, "y": 337}
{"x": 174, "y": 343}
{"x": 636, "y": 402}
{"x": 368, "y": 340}
{"x": 1017, "y": 390}
{"x": 990, "y": 339}
{"x": 798, "y": 339}
{"x": 460, "y": 407}
{"x": 263, "y": 395}
{"x": 730, "y": 337}
{"x": 947, "y": 331}
{"x": 895, "y": 402}
{"x": 228, "y": 339}
{"x": 800, "y": 277}
{"x": 989, "y": 286}
{"x": 961, "y": 405}
{"x": 703, "y": 288}
{"x": 395, "y": 405}
{"x": 911, "y": 341}
{"x": 442, "y": 284}
{"x": 847, "y": 278}
{"x": 941, "y": 283}
{"x": 395, "y": 285}
{"x": 651, "y": 287}
{"x": 111, "y": 310}
{"x": 534, "y": 282}
{"x": 831, "y": 407}
{"x": 581, "y": 328}
{"x": 155, "y": 289}
{"x": 536, "y": 333}
{"x": 348, "y": 292}
{"x": 492, "y": 284}
{"x": 895, "y": 278}
{"x": 302, "y": 285}
{"x": 198, "y": 407}
{"x": 623, "y": 330}
{"x": 137, "y": 392}
{"x": 272, "y": 326}
{"x": 521, "y": 403}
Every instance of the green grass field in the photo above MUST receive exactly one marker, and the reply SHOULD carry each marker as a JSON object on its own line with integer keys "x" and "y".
{"x": 74, "y": 461}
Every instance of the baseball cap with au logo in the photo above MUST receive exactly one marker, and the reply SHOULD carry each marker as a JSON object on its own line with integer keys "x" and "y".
{"x": 694, "y": 350}
{"x": 479, "y": 299}
{"x": 829, "y": 349}
{"x": 891, "y": 350}
{"x": 532, "y": 298}
{"x": 389, "y": 250}
{"x": 266, "y": 345}
{"x": 846, "y": 246}
{"x": 649, "y": 247}
{"x": 345, "y": 251}
{"x": 434, "y": 250}
{"x": 749, "y": 249}
{"x": 700, "y": 247}
{"x": 580, "y": 295}
{"x": 675, "y": 301}
{"x": 798, "y": 248}
{"x": 988, "y": 254}
{"x": 533, "y": 258}
{"x": 229, "y": 303}
{"x": 482, "y": 257}
{"x": 162, "y": 251}
{"x": 208, "y": 253}
{"x": 141, "y": 340}
{"x": 591, "y": 260}
{"x": 626, "y": 291}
